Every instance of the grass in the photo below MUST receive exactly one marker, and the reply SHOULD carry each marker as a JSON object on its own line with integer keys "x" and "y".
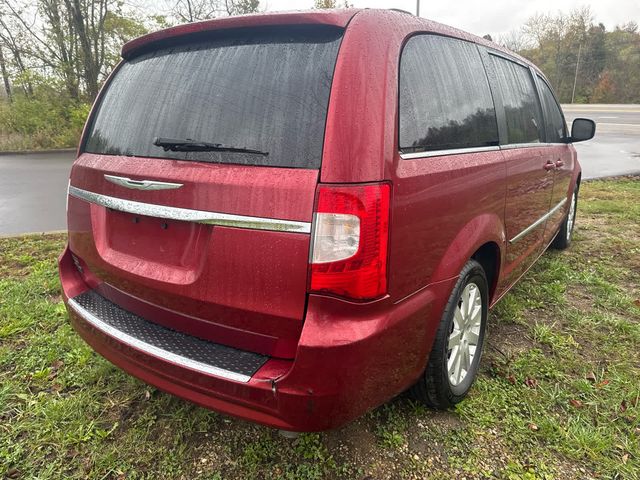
{"x": 558, "y": 395}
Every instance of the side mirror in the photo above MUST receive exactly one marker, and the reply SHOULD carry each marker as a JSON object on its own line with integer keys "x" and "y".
{"x": 582, "y": 129}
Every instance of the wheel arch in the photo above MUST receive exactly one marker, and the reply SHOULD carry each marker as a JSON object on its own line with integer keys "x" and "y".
{"x": 488, "y": 255}
{"x": 483, "y": 239}
{"x": 576, "y": 180}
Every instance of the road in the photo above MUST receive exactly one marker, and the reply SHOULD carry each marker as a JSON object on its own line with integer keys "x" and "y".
{"x": 33, "y": 186}
{"x": 615, "y": 150}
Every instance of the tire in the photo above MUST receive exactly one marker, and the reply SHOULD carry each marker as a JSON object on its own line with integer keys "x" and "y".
{"x": 438, "y": 387}
{"x": 562, "y": 239}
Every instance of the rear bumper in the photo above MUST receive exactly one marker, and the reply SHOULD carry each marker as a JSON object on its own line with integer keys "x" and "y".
{"x": 350, "y": 358}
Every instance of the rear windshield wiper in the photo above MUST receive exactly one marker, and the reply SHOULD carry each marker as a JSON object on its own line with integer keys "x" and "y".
{"x": 189, "y": 145}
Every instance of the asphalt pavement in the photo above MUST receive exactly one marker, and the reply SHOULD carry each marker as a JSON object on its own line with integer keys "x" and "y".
{"x": 615, "y": 150}
{"x": 33, "y": 188}
{"x": 33, "y": 185}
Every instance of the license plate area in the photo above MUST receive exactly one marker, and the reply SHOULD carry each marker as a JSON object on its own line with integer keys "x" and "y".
{"x": 158, "y": 240}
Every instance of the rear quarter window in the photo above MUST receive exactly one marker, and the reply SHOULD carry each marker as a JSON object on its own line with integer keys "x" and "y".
{"x": 444, "y": 99}
{"x": 262, "y": 89}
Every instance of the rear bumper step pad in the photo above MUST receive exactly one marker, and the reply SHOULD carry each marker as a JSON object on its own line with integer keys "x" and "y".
{"x": 166, "y": 344}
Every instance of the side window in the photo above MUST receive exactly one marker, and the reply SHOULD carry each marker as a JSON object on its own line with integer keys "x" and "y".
{"x": 555, "y": 122}
{"x": 445, "y": 101}
{"x": 521, "y": 106}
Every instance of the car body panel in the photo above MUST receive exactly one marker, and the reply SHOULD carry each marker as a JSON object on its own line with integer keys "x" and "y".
{"x": 564, "y": 157}
{"x": 445, "y": 208}
{"x": 237, "y": 280}
{"x": 529, "y": 194}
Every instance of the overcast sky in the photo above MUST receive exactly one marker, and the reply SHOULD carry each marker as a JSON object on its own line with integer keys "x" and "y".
{"x": 488, "y": 16}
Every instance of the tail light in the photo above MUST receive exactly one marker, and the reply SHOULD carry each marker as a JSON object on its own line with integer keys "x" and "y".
{"x": 350, "y": 238}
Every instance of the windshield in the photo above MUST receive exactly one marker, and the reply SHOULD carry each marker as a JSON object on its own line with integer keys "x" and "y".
{"x": 260, "y": 89}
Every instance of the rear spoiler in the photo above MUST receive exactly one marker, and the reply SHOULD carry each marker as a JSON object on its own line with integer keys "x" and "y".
{"x": 337, "y": 18}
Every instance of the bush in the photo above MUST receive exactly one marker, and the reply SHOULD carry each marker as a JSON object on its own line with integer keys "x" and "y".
{"x": 44, "y": 120}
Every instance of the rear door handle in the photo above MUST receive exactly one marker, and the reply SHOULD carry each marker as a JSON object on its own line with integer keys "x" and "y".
{"x": 559, "y": 163}
{"x": 549, "y": 166}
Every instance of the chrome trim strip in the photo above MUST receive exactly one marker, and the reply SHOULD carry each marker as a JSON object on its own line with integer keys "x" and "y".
{"x": 538, "y": 222}
{"x": 188, "y": 215}
{"x": 152, "y": 349}
{"x": 459, "y": 151}
{"x": 441, "y": 153}
{"x": 141, "y": 184}
{"x": 511, "y": 146}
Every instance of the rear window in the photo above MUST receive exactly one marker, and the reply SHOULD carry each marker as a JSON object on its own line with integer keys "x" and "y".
{"x": 260, "y": 89}
{"x": 445, "y": 101}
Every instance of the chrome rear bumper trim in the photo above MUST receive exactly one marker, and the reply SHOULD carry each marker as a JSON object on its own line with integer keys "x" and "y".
{"x": 188, "y": 215}
{"x": 152, "y": 349}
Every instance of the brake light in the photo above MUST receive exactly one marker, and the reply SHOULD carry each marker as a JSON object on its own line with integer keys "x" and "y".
{"x": 350, "y": 239}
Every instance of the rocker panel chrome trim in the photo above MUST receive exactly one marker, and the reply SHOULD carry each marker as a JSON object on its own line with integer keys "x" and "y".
{"x": 538, "y": 222}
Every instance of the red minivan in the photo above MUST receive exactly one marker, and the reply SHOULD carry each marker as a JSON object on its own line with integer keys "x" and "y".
{"x": 293, "y": 217}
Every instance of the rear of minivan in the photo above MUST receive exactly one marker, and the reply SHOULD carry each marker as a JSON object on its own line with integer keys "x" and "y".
{"x": 245, "y": 231}
{"x": 198, "y": 226}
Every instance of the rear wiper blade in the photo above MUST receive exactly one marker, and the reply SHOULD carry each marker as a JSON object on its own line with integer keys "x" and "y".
{"x": 189, "y": 145}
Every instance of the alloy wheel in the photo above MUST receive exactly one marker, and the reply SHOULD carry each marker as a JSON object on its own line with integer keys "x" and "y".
{"x": 465, "y": 334}
{"x": 572, "y": 216}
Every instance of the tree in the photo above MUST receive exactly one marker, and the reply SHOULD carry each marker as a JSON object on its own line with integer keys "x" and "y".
{"x": 325, "y": 3}
{"x": 623, "y": 63}
{"x": 60, "y": 44}
{"x": 88, "y": 24}
{"x": 12, "y": 38}
{"x": 197, "y": 10}
{"x": 75, "y": 41}
{"x": 594, "y": 58}
{"x": 604, "y": 91}
{"x": 609, "y": 65}
{"x": 515, "y": 40}
{"x": 5, "y": 75}
{"x": 241, "y": 7}
{"x": 554, "y": 44}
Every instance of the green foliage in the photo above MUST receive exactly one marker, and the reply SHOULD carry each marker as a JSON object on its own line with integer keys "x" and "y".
{"x": 241, "y": 7}
{"x": 121, "y": 28}
{"x": 325, "y": 3}
{"x": 605, "y": 65}
{"x": 45, "y": 120}
{"x": 331, "y": 4}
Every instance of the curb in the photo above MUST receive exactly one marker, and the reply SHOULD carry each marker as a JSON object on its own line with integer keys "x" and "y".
{"x": 31, "y": 152}
{"x": 31, "y": 234}
{"x": 614, "y": 176}
{"x": 597, "y": 106}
